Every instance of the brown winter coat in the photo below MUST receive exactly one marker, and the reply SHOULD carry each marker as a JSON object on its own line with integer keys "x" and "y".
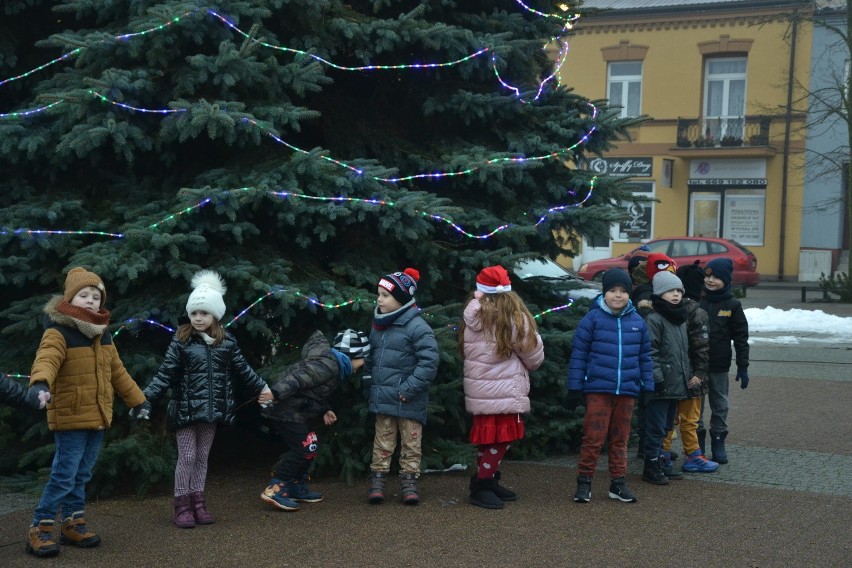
{"x": 83, "y": 375}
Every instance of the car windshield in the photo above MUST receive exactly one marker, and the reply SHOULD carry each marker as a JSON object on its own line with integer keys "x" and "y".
{"x": 532, "y": 268}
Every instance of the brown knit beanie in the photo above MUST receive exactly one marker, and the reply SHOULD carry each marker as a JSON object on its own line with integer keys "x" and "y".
{"x": 78, "y": 278}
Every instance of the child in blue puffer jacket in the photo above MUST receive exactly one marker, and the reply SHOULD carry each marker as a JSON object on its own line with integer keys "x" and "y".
{"x": 610, "y": 365}
{"x": 401, "y": 365}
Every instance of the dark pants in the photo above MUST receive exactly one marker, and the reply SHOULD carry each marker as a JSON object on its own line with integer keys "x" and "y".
{"x": 659, "y": 419}
{"x": 301, "y": 444}
{"x": 607, "y": 420}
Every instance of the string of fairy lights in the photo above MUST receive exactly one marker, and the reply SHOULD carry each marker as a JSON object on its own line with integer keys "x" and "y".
{"x": 568, "y": 22}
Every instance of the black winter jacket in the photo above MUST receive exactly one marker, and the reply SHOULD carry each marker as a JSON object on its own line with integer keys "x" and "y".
{"x": 199, "y": 376}
{"x": 670, "y": 355}
{"x": 727, "y": 323}
{"x": 13, "y": 394}
{"x": 303, "y": 390}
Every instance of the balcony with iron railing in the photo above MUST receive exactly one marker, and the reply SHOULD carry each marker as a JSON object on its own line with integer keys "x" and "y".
{"x": 723, "y": 131}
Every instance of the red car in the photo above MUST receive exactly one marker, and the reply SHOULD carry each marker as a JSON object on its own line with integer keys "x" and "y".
{"x": 686, "y": 250}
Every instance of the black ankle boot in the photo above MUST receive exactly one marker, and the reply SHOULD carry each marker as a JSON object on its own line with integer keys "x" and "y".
{"x": 482, "y": 494}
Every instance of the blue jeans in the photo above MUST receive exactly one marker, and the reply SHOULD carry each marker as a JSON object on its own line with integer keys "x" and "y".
{"x": 718, "y": 399}
{"x": 75, "y": 457}
{"x": 659, "y": 419}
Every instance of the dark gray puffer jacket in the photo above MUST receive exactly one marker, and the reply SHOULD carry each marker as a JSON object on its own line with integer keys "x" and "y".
{"x": 199, "y": 376}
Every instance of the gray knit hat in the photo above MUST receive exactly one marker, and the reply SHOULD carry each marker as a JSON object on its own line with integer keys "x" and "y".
{"x": 665, "y": 281}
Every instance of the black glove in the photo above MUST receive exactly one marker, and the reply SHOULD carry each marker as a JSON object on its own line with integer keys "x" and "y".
{"x": 742, "y": 377}
{"x": 37, "y": 396}
{"x": 574, "y": 399}
{"x": 660, "y": 388}
{"x": 141, "y": 412}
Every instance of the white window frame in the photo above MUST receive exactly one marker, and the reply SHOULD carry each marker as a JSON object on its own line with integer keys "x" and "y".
{"x": 728, "y": 122}
{"x": 622, "y": 82}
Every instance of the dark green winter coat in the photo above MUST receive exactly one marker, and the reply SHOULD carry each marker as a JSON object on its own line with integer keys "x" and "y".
{"x": 303, "y": 389}
{"x": 699, "y": 344}
{"x": 670, "y": 356}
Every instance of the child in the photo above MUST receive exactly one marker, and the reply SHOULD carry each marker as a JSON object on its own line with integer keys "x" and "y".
{"x": 78, "y": 364}
{"x": 610, "y": 364}
{"x": 301, "y": 394}
{"x": 199, "y": 366}
{"x": 35, "y": 397}
{"x": 670, "y": 355}
{"x": 500, "y": 344}
{"x": 689, "y": 409}
{"x": 727, "y": 323}
{"x": 641, "y": 274}
{"x": 402, "y": 363}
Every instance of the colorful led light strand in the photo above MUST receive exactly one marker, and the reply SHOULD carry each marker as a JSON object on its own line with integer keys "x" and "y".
{"x": 561, "y": 58}
{"x": 30, "y": 112}
{"x": 124, "y": 106}
{"x": 40, "y": 232}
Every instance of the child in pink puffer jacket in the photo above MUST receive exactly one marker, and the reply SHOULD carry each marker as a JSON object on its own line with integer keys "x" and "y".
{"x": 500, "y": 343}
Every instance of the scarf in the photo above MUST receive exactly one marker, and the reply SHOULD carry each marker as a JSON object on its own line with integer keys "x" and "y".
{"x": 90, "y": 324}
{"x": 672, "y": 312}
{"x": 714, "y": 296}
{"x": 384, "y": 321}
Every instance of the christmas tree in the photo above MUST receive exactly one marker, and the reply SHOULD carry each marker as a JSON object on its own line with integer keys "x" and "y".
{"x": 303, "y": 149}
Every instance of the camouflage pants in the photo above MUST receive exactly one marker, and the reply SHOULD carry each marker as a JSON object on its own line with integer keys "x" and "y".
{"x": 410, "y": 434}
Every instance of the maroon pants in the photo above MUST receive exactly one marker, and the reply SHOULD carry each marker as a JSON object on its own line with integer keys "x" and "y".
{"x": 607, "y": 420}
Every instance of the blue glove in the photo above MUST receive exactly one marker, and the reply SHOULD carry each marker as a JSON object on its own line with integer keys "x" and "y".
{"x": 141, "y": 412}
{"x": 742, "y": 376}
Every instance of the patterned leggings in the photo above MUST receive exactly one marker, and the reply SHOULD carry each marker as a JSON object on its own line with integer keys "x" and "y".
{"x": 193, "y": 444}
{"x": 488, "y": 458}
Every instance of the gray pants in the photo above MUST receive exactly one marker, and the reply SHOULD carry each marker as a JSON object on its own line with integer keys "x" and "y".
{"x": 718, "y": 398}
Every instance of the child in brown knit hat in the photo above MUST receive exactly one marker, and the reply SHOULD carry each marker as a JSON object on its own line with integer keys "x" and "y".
{"x": 78, "y": 364}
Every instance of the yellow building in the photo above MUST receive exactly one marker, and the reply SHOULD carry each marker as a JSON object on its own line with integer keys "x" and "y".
{"x": 721, "y": 153}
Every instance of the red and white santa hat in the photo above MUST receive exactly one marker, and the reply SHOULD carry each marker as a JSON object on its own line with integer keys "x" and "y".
{"x": 493, "y": 280}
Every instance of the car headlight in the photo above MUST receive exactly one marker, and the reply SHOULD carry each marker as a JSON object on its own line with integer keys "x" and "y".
{"x": 583, "y": 268}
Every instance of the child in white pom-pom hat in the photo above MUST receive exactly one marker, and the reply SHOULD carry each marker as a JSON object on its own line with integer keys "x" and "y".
{"x": 199, "y": 366}
{"x": 500, "y": 343}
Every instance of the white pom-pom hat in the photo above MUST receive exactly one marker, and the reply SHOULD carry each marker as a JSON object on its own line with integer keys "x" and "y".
{"x": 208, "y": 290}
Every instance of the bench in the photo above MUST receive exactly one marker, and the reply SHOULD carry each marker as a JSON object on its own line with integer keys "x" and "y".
{"x": 805, "y": 288}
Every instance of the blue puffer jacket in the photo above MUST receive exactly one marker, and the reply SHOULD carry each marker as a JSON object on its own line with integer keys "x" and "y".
{"x": 403, "y": 361}
{"x": 611, "y": 353}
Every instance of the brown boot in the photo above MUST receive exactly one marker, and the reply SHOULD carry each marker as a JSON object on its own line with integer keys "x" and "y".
{"x": 40, "y": 540}
{"x": 199, "y": 509}
{"x": 75, "y": 532}
{"x": 183, "y": 512}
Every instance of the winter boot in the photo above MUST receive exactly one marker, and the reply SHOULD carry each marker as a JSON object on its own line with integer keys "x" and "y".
{"x": 184, "y": 518}
{"x": 299, "y": 491}
{"x": 618, "y": 490}
{"x": 653, "y": 473}
{"x": 697, "y": 463}
{"x": 501, "y": 492}
{"x": 199, "y": 509}
{"x": 378, "y": 479}
{"x": 40, "y": 540}
{"x": 482, "y": 493}
{"x": 702, "y": 440}
{"x": 408, "y": 489}
{"x": 276, "y": 494}
{"x": 668, "y": 468}
{"x": 584, "y": 489}
{"x": 75, "y": 532}
{"x": 717, "y": 445}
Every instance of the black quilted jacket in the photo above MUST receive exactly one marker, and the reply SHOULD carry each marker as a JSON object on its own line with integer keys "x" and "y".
{"x": 199, "y": 376}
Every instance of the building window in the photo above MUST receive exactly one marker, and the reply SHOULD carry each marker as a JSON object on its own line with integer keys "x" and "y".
{"x": 739, "y": 213}
{"x": 724, "y": 98}
{"x": 624, "y": 86}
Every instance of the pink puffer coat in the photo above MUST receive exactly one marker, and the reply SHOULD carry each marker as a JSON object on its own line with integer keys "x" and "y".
{"x": 493, "y": 384}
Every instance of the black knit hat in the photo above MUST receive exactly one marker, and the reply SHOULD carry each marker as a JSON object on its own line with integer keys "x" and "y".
{"x": 721, "y": 268}
{"x": 401, "y": 285}
{"x": 616, "y": 277}
{"x": 692, "y": 277}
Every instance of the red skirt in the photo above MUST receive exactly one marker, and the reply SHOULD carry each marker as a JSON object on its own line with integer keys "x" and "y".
{"x": 496, "y": 428}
